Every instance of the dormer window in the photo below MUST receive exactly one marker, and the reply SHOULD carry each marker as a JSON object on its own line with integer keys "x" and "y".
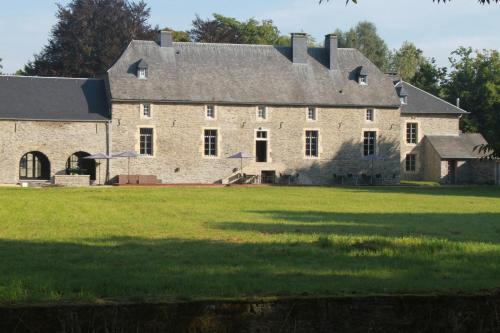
{"x": 142, "y": 73}
{"x": 142, "y": 70}
{"x": 362, "y": 76}
{"x": 402, "y": 93}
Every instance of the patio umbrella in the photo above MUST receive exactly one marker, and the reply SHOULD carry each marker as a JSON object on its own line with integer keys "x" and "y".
{"x": 128, "y": 155}
{"x": 99, "y": 156}
{"x": 241, "y": 155}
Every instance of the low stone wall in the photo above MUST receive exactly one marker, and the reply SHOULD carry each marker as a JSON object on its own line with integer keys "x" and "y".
{"x": 447, "y": 313}
{"x": 71, "y": 180}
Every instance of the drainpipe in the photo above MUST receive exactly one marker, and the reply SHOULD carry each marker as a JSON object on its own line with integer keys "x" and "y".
{"x": 108, "y": 149}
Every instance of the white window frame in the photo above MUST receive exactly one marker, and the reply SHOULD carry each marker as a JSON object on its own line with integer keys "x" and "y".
{"x": 262, "y": 113}
{"x": 217, "y": 142}
{"x": 314, "y": 114}
{"x": 372, "y": 118}
{"x": 404, "y": 100}
{"x": 214, "y": 112}
{"x": 376, "y": 148}
{"x": 142, "y": 73}
{"x": 417, "y": 136}
{"x": 143, "y": 108}
{"x": 267, "y": 139}
{"x": 363, "y": 80}
{"x": 154, "y": 146}
{"x": 414, "y": 163}
{"x": 318, "y": 143}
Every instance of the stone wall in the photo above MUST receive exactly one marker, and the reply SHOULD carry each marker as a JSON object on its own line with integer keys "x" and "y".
{"x": 432, "y": 124}
{"x": 57, "y": 140}
{"x": 71, "y": 180}
{"x": 483, "y": 171}
{"x": 458, "y": 313}
{"x": 178, "y": 140}
{"x": 432, "y": 163}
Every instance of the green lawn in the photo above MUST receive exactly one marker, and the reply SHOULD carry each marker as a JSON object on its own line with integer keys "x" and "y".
{"x": 189, "y": 243}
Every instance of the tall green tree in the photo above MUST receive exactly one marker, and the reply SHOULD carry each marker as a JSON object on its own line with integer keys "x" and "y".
{"x": 89, "y": 35}
{"x": 1, "y": 67}
{"x": 407, "y": 60}
{"x": 429, "y": 77}
{"x": 475, "y": 79}
{"x": 365, "y": 38}
{"x": 223, "y": 29}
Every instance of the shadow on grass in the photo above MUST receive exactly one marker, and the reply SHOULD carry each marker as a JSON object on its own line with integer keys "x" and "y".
{"x": 464, "y": 191}
{"x": 139, "y": 269}
{"x": 480, "y": 227}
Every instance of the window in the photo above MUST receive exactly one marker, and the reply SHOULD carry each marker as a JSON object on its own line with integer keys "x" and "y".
{"x": 411, "y": 161}
{"x": 146, "y": 110}
{"x": 412, "y": 133}
{"x": 142, "y": 73}
{"x": 363, "y": 80}
{"x": 210, "y": 111}
{"x": 146, "y": 141}
{"x": 370, "y": 114}
{"x": 311, "y": 113}
{"x": 311, "y": 143}
{"x": 262, "y": 112}
{"x": 34, "y": 165}
{"x": 404, "y": 100}
{"x": 369, "y": 143}
{"x": 210, "y": 142}
{"x": 261, "y": 134}
{"x": 261, "y": 148}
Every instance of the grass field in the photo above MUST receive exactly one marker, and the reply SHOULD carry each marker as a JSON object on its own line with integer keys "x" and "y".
{"x": 190, "y": 243}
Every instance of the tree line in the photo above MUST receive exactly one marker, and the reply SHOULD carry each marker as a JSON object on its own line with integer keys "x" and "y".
{"x": 91, "y": 34}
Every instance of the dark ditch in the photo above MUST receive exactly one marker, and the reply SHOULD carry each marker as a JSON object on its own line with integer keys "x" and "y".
{"x": 404, "y": 313}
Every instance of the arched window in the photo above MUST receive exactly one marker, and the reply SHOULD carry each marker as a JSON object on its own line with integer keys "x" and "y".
{"x": 77, "y": 164}
{"x": 34, "y": 166}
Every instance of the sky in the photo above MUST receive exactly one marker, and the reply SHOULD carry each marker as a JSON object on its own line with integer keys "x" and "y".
{"x": 437, "y": 29}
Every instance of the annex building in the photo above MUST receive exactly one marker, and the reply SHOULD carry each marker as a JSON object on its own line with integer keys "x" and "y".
{"x": 295, "y": 115}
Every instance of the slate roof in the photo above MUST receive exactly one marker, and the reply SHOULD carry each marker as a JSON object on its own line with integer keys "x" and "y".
{"x": 247, "y": 74}
{"x": 420, "y": 101}
{"x": 458, "y": 147}
{"x": 37, "y": 98}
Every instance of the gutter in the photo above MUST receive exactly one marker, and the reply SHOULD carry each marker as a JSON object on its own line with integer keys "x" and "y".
{"x": 57, "y": 120}
{"x": 391, "y": 106}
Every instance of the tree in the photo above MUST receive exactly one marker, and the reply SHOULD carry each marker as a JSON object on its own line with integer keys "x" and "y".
{"x": 429, "y": 77}
{"x": 475, "y": 79}
{"x": 365, "y": 38}
{"x": 1, "y": 67}
{"x": 179, "y": 36}
{"x": 222, "y": 29}
{"x": 89, "y": 36}
{"x": 407, "y": 60}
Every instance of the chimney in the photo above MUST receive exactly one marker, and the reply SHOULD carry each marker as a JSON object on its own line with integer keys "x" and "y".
{"x": 299, "y": 48}
{"x": 166, "y": 38}
{"x": 331, "y": 48}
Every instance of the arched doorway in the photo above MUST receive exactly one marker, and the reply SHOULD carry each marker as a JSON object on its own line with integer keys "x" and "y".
{"x": 34, "y": 166}
{"x": 77, "y": 164}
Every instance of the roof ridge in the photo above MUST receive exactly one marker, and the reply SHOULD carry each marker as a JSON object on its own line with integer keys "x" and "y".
{"x": 435, "y": 96}
{"x": 238, "y": 44}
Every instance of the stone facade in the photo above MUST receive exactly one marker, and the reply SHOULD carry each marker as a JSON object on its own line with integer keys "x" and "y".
{"x": 179, "y": 142}
{"x": 56, "y": 140}
{"x": 431, "y": 124}
{"x": 71, "y": 180}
